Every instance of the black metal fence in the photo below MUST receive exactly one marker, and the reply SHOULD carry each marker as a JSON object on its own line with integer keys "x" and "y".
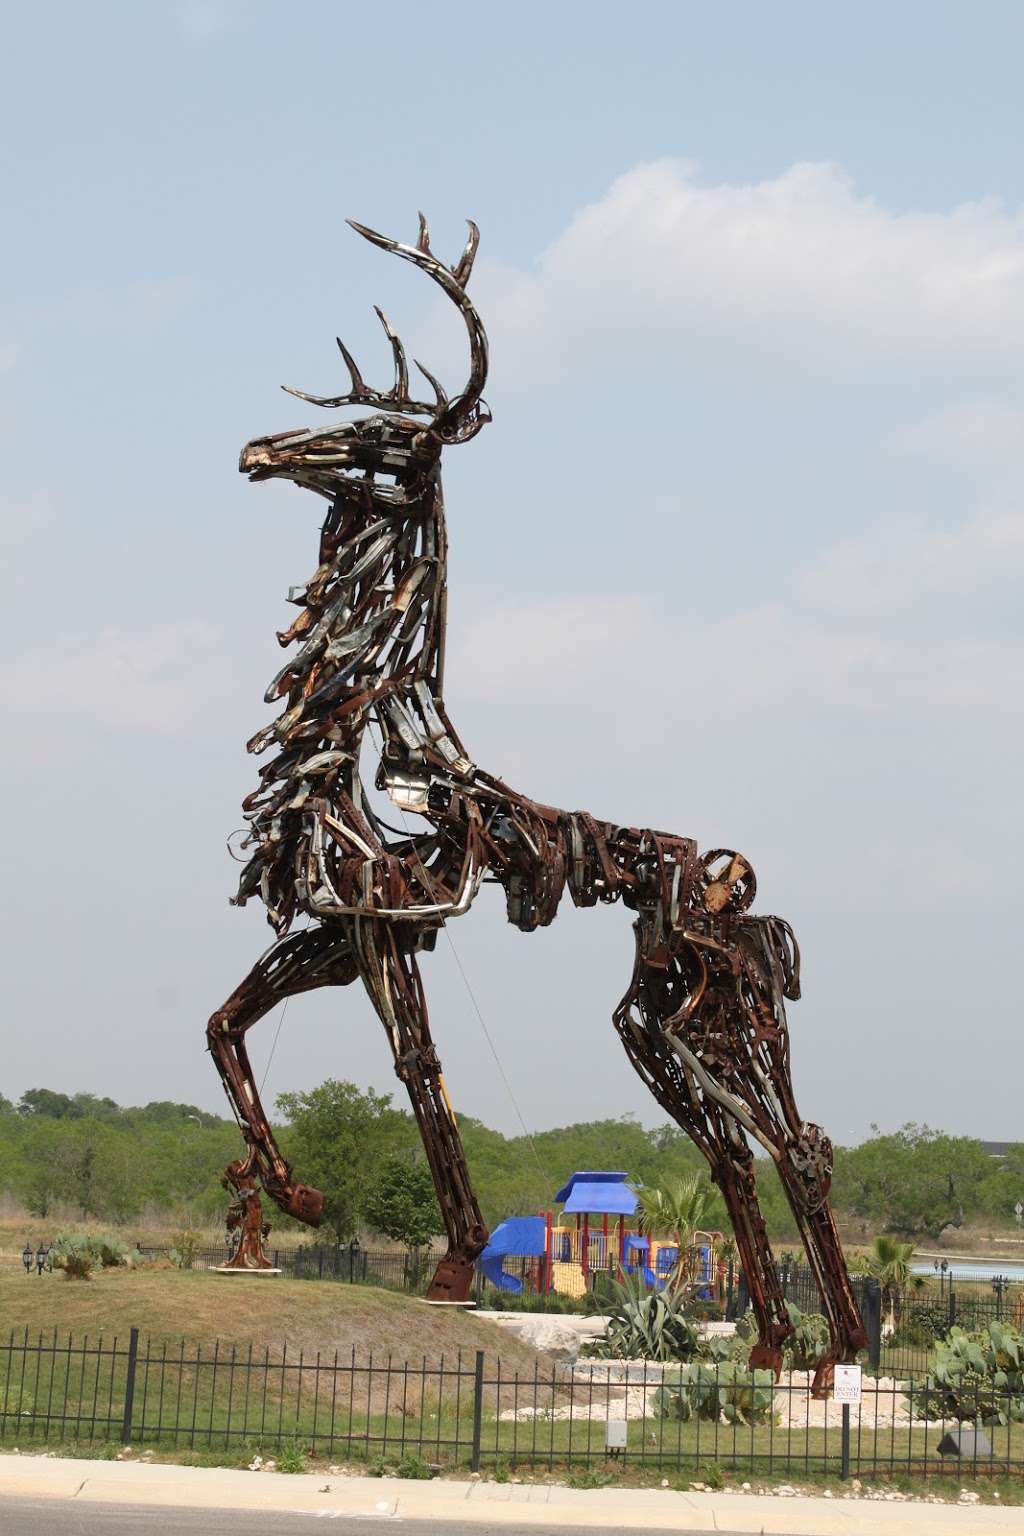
{"x": 470, "y": 1412}
{"x": 904, "y": 1327}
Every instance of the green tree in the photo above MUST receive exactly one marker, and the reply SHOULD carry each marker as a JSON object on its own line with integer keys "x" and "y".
{"x": 45, "y": 1101}
{"x": 677, "y": 1210}
{"x": 59, "y": 1164}
{"x": 915, "y": 1182}
{"x": 401, "y": 1203}
{"x": 338, "y": 1137}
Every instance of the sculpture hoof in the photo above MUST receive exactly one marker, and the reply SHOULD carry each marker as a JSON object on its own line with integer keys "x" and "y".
{"x": 824, "y": 1377}
{"x": 452, "y": 1282}
{"x": 305, "y": 1204}
{"x": 766, "y": 1357}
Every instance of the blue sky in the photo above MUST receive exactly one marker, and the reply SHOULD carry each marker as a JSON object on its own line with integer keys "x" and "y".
{"x": 739, "y": 557}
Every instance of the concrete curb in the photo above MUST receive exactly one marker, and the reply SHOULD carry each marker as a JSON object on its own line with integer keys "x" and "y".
{"x": 651, "y": 1509}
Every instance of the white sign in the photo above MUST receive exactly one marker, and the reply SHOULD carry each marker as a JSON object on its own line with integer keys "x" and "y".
{"x": 846, "y": 1385}
{"x": 615, "y": 1435}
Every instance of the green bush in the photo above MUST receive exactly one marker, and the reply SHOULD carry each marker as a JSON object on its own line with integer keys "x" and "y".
{"x": 78, "y": 1254}
{"x": 184, "y": 1247}
{"x": 977, "y": 1377}
{"x": 919, "y": 1327}
{"x": 644, "y": 1326}
{"x": 529, "y": 1301}
{"x": 713, "y": 1391}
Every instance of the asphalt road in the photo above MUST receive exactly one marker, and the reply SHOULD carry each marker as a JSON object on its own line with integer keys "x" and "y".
{"x": 41, "y": 1517}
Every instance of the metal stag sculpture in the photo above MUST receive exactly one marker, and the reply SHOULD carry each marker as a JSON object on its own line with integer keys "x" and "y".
{"x": 703, "y": 1020}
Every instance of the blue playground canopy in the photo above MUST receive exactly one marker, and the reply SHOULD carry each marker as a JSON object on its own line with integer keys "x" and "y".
{"x": 598, "y": 1194}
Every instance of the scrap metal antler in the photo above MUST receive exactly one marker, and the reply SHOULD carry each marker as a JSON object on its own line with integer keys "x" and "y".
{"x": 703, "y": 1019}
{"x": 454, "y": 421}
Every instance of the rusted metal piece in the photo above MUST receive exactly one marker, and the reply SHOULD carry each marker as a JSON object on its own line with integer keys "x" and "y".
{"x": 703, "y": 1019}
{"x": 247, "y": 1231}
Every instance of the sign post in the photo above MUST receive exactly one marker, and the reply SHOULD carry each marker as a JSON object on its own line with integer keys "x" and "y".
{"x": 846, "y": 1390}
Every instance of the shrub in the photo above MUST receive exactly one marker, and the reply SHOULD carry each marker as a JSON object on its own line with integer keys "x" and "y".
{"x": 184, "y": 1247}
{"x": 644, "y": 1326}
{"x": 724, "y": 1389}
{"x": 529, "y": 1301}
{"x": 78, "y": 1254}
{"x": 919, "y": 1328}
{"x": 410, "y": 1466}
{"x": 292, "y": 1459}
{"x": 587, "y": 1478}
{"x": 111, "y": 1250}
{"x": 978, "y": 1377}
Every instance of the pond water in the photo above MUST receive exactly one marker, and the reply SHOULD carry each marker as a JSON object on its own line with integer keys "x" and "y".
{"x": 973, "y": 1269}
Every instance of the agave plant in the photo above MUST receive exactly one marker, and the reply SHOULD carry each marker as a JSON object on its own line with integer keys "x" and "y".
{"x": 645, "y": 1325}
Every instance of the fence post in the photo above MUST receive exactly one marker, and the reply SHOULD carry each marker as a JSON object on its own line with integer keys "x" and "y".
{"x": 952, "y": 1304}
{"x": 871, "y": 1306}
{"x": 129, "y": 1387}
{"x": 844, "y": 1465}
{"x": 478, "y": 1409}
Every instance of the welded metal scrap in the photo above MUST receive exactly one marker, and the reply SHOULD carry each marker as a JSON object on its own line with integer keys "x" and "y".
{"x": 703, "y": 1019}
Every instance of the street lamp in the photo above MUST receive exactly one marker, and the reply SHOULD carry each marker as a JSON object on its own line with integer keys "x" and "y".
{"x": 26, "y": 1258}
{"x": 42, "y": 1259}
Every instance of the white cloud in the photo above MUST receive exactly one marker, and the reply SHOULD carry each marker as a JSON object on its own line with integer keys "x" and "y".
{"x": 151, "y": 679}
{"x": 799, "y": 267}
{"x": 896, "y": 623}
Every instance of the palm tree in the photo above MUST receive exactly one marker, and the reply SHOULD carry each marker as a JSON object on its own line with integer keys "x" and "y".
{"x": 676, "y": 1210}
{"x": 889, "y": 1262}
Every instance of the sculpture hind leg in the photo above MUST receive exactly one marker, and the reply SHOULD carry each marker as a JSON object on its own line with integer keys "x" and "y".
{"x": 731, "y": 1038}
{"x": 315, "y": 957}
{"x": 720, "y": 1139}
{"x": 391, "y": 975}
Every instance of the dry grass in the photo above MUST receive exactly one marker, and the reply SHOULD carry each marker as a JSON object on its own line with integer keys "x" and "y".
{"x": 156, "y": 1229}
{"x": 200, "y": 1307}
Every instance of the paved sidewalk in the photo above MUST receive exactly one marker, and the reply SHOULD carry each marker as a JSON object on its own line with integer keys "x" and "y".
{"x": 113, "y": 1482}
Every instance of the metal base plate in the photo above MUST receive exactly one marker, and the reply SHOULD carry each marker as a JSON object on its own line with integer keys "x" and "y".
{"x": 224, "y": 1269}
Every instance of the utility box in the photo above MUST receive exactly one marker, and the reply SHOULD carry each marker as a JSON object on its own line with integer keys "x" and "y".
{"x": 615, "y": 1435}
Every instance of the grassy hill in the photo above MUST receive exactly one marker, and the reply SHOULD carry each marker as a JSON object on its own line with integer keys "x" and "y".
{"x": 168, "y": 1306}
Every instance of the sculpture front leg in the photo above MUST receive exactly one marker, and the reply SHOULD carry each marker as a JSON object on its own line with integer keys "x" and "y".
{"x": 316, "y": 957}
{"x": 392, "y": 978}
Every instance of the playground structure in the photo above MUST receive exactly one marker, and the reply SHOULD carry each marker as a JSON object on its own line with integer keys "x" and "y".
{"x": 590, "y": 1238}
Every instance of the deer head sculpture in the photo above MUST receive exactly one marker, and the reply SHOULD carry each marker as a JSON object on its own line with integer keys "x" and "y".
{"x": 393, "y": 443}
